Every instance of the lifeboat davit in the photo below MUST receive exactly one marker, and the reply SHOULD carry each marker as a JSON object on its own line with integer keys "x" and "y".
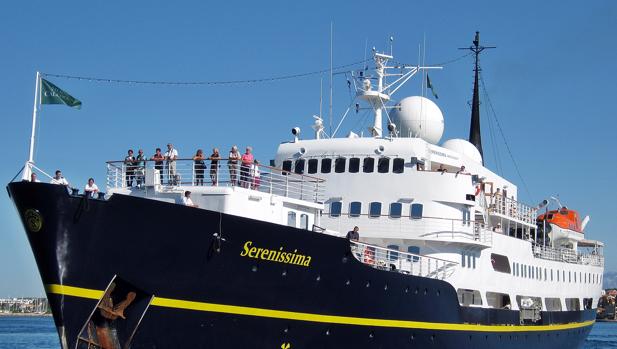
{"x": 564, "y": 225}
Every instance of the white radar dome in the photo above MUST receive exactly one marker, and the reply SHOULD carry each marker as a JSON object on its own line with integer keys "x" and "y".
{"x": 463, "y": 147}
{"x": 418, "y": 117}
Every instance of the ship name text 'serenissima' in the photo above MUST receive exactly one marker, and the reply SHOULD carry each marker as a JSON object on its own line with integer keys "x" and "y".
{"x": 279, "y": 255}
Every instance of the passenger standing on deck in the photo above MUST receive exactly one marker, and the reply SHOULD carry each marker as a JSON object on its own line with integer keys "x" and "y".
{"x": 354, "y": 235}
{"x": 158, "y": 163}
{"x": 140, "y": 168}
{"x": 256, "y": 175}
{"x": 232, "y": 163}
{"x": 214, "y": 166}
{"x": 129, "y": 168}
{"x": 171, "y": 155}
{"x": 91, "y": 188}
{"x": 33, "y": 178}
{"x": 245, "y": 169}
{"x": 200, "y": 167}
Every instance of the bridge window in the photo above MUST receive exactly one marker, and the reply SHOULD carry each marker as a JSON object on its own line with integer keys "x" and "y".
{"x": 304, "y": 221}
{"x": 326, "y": 165}
{"x": 312, "y": 165}
{"x": 383, "y": 165}
{"x": 299, "y": 169}
{"x": 354, "y": 165}
{"x": 468, "y": 297}
{"x": 396, "y": 208}
{"x": 368, "y": 165}
{"x": 287, "y": 166}
{"x": 335, "y": 208}
{"x": 553, "y": 304}
{"x": 291, "y": 219}
{"x": 416, "y": 211}
{"x": 355, "y": 209}
{"x": 375, "y": 209}
{"x": 398, "y": 165}
{"x": 393, "y": 255}
{"x": 498, "y": 300}
{"x": 339, "y": 165}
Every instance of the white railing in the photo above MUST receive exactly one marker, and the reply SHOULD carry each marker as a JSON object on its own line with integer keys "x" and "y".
{"x": 513, "y": 209}
{"x": 567, "y": 255}
{"x": 184, "y": 172}
{"x": 402, "y": 262}
{"x": 406, "y": 227}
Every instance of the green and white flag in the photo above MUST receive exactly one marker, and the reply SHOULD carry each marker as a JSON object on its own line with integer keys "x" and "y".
{"x": 52, "y": 94}
{"x": 429, "y": 85}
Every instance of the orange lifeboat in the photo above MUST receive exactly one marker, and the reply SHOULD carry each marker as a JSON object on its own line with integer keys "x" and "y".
{"x": 564, "y": 218}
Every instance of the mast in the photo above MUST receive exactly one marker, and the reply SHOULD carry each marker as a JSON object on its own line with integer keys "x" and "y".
{"x": 475, "y": 135}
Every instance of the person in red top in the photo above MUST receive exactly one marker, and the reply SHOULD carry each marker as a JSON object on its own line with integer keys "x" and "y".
{"x": 245, "y": 168}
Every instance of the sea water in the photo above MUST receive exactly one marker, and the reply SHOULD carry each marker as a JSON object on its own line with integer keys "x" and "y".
{"x": 38, "y": 332}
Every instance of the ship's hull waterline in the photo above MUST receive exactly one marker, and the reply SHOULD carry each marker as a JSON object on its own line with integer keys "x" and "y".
{"x": 147, "y": 274}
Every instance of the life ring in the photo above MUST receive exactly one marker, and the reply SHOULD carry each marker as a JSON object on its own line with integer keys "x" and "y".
{"x": 369, "y": 256}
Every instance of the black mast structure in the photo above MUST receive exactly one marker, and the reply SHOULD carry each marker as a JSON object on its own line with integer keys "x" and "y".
{"x": 475, "y": 136}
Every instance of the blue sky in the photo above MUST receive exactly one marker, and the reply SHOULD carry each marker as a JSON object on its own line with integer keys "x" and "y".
{"x": 551, "y": 81}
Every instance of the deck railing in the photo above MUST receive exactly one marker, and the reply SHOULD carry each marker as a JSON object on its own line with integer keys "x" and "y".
{"x": 568, "y": 255}
{"x": 425, "y": 227}
{"x": 185, "y": 172}
{"x": 402, "y": 262}
{"x": 513, "y": 209}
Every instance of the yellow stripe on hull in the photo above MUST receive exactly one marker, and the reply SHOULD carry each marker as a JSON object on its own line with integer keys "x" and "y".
{"x": 321, "y": 318}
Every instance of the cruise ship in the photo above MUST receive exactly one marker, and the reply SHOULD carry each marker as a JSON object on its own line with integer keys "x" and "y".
{"x": 447, "y": 255}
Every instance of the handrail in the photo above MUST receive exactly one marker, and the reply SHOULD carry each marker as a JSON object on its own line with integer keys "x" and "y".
{"x": 403, "y": 262}
{"x": 239, "y": 162}
{"x": 567, "y": 255}
{"x": 165, "y": 175}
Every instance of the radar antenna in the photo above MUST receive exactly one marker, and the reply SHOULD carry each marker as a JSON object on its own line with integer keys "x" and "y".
{"x": 378, "y": 94}
{"x": 475, "y": 136}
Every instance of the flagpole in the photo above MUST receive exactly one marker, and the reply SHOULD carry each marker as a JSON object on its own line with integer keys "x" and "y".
{"x": 28, "y": 168}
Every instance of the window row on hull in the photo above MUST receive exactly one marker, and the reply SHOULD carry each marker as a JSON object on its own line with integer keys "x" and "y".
{"x": 375, "y": 209}
{"x": 343, "y": 164}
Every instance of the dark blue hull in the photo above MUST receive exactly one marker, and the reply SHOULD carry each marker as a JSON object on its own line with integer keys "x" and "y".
{"x": 147, "y": 274}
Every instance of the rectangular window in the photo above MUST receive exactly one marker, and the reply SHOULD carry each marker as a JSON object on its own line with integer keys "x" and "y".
{"x": 573, "y": 304}
{"x": 355, "y": 209}
{"x": 498, "y": 300}
{"x": 304, "y": 221}
{"x": 396, "y": 209}
{"x": 463, "y": 259}
{"x": 335, "y": 208}
{"x": 326, "y": 165}
{"x": 286, "y": 166}
{"x": 291, "y": 219}
{"x": 393, "y": 255}
{"x": 354, "y": 165}
{"x": 500, "y": 263}
{"x": 468, "y": 297}
{"x": 299, "y": 169}
{"x": 368, "y": 165}
{"x": 339, "y": 165}
{"x": 312, "y": 166}
{"x": 398, "y": 165}
{"x": 383, "y": 165}
{"x": 553, "y": 304}
{"x": 416, "y": 211}
{"x": 375, "y": 209}
{"x": 413, "y": 250}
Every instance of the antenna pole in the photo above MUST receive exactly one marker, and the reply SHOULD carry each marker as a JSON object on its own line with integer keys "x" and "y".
{"x": 331, "y": 35}
{"x": 475, "y": 136}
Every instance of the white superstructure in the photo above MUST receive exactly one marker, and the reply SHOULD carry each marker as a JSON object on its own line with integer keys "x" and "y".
{"x": 419, "y": 211}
